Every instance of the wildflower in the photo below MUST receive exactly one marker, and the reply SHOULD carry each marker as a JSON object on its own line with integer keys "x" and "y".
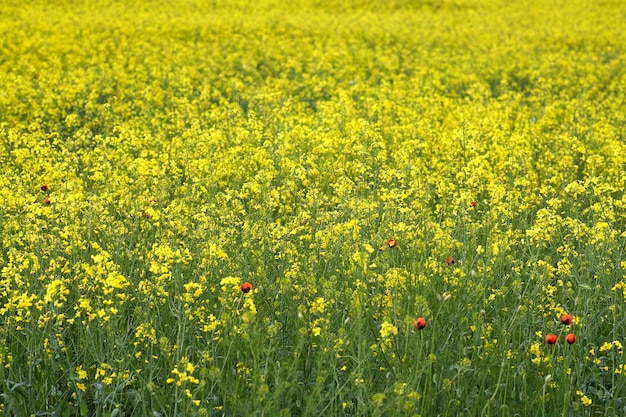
{"x": 567, "y": 319}
{"x": 44, "y": 187}
{"x": 419, "y": 323}
{"x": 146, "y": 214}
{"x": 586, "y": 401}
{"x": 232, "y": 282}
{"x": 450, "y": 260}
{"x": 473, "y": 203}
{"x": 391, "y": 243}
{"x": 387, "y": 330}
{"x": 246, "y": 287}
{"x": 570, "y": 338}
{"x": 536, "y": 352}
{"x": 47, "y": 200}
{"x": 551, "y": 339}
{"x": 82, "y": 374}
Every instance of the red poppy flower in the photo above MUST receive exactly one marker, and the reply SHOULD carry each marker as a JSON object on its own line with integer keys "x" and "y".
{"x": 419, "y": 323}
{"x": 473, "y": 203}
{"x": 567, "y": 319}
{"x": 450, "y": 260}
{"x": 47, "y": 200}
{"x": 391, "y": 243}
{"x": 246, "y": 287}
{"x": 570, "y": 338}
{"x": 551, "y": 339}
{"x": 44, "y": 187}
{"x": 146, "y": 214}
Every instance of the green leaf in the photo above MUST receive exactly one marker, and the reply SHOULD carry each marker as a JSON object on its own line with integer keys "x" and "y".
{"x": 83, "y": 408}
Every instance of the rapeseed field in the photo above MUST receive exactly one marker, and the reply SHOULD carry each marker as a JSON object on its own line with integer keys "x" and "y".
{"x": 312, "y": 208}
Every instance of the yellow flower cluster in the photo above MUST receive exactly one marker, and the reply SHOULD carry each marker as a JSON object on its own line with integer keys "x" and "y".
{"x": 223, "y": 206}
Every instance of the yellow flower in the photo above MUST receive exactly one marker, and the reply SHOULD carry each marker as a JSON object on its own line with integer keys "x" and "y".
{"x": 387, "y": 330}
{"x": 536, "y": 352}
{"x": 586, "y": 401}
{"x": 82, "y": 374}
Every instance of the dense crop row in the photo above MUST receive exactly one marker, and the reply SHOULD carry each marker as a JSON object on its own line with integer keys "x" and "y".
{"x": 358, "y": 164}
